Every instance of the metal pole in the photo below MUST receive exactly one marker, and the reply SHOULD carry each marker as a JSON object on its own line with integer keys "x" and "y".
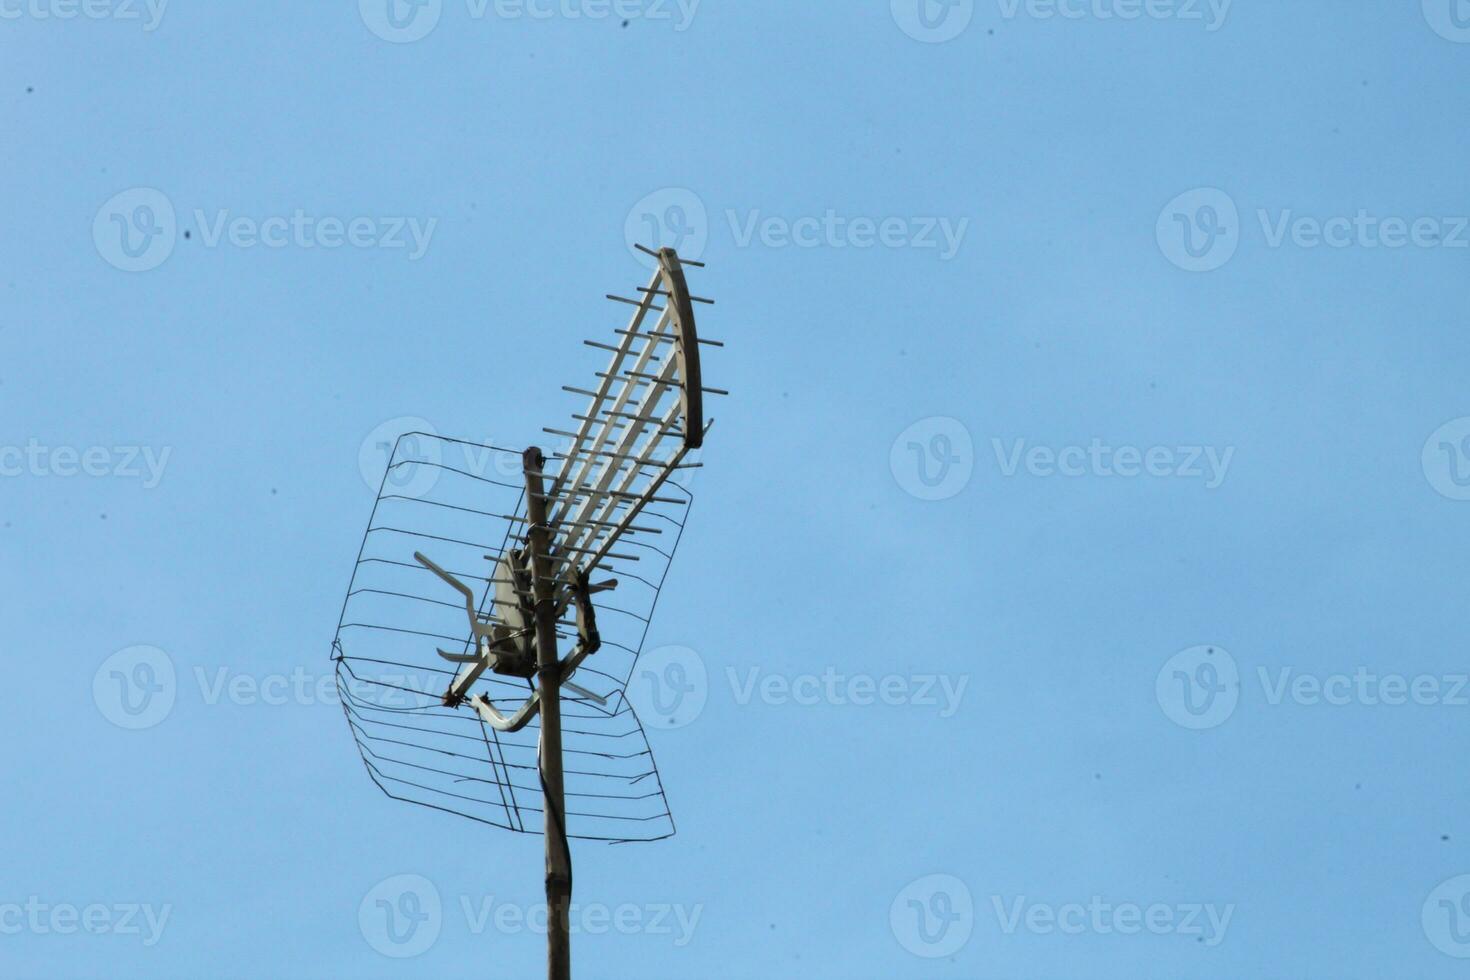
{"x": 548, "y": 683}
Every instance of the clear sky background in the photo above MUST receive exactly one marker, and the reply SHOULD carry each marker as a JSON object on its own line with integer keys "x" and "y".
{"x": 820, "y": 836}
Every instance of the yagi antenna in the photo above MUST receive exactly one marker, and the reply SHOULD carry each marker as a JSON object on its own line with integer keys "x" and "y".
{"x": 471, "y": 608}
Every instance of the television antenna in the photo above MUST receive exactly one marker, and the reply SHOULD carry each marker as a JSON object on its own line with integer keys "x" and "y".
{"x": 439, "y": 726}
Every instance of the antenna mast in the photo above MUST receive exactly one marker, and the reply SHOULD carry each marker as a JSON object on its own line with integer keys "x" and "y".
{"x": 548, "y": 686}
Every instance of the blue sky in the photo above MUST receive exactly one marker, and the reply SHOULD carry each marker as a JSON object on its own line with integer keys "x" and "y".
{"x": 1074, "y": 586}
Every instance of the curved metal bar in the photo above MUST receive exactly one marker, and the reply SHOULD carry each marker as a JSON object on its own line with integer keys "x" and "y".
{"x": 682, "y": 309}
{"x": 500, "y": 722}
{"x": 481, "y": 630}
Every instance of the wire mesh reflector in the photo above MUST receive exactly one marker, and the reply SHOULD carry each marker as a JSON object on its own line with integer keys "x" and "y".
{"x": 463, "y": 504}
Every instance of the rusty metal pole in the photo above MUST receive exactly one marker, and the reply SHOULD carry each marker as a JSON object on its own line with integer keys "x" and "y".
{"x": 548, "y": 685}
